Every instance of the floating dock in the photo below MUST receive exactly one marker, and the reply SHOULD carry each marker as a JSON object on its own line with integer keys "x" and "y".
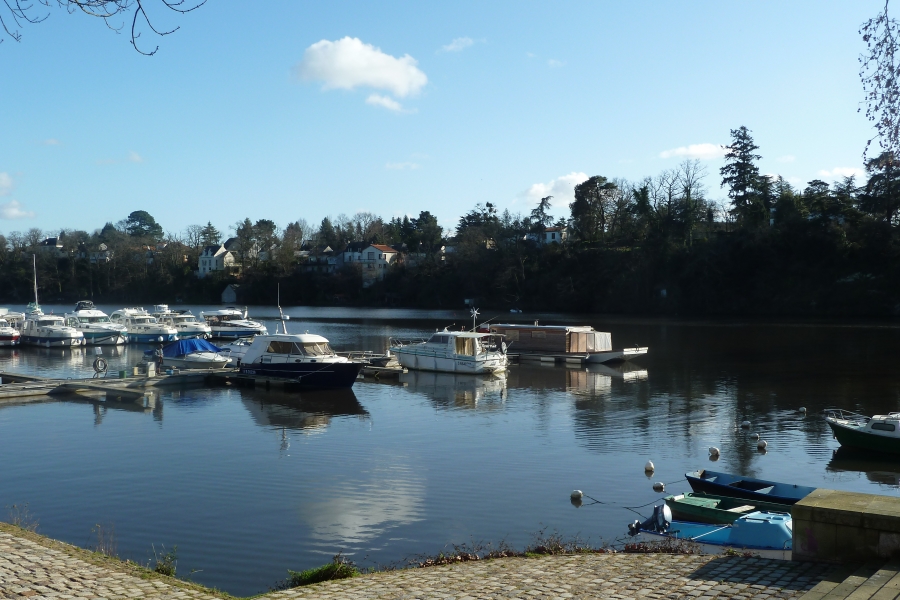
{"x": 578, "y": 358}
{"x": 16, "y": 386}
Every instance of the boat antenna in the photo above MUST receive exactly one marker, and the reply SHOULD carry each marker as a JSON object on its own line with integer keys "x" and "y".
{"x": 281, "y": 313}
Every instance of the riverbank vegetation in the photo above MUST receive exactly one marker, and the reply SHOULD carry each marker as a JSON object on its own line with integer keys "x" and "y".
{"x": 660, "y": 245}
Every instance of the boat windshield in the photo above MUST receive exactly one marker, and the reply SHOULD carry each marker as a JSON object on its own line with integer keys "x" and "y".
{"x": 187, "y": 319}
{"x": 93, "y": 319}
{"x": 144, "y": 320}
{"x": 306, "y": 349}
{"x": 48, "y": 322}
{"x": 439, "y": 338}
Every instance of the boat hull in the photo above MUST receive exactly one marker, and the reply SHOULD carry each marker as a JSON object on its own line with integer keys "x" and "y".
{"x": 9, "y": 340}
{"x": 854, "y": 438}
{"x": 647, "y": 536}
{"x": 193, "y": 363}
{"x": 233, "y": 333}
{"x": 733, "y": 486}
{"x": 616, "y": 355}
{"x": 106, "y": 338}
{"x": 151, "y": 338}
{"x": 312, "y": 375}
{"x": 447, "y": 364}
{"x": 51, "y": 342}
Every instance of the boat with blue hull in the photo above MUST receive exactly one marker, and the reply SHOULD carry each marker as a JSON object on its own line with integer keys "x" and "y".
{"x": 142, "y": 327}
{"x": 761, "y": 533}
{"x": 95, "y": 326}
{"x": 735, "y": 486}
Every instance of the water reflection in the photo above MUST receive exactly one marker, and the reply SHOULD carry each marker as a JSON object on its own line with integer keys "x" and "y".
{"x": 883, "y": 470}
{"x": 452, "y": 390}
{"x": 150, "y": 403}
{"x": 306, "y": 411}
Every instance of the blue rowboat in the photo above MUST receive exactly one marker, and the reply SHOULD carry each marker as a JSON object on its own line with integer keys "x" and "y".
{"x": 735, "y": 486}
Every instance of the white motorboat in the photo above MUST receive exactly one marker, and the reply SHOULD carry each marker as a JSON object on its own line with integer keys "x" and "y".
{"x": 184, "y": 321}
{"x": 95, "y": 325}
{"x": 142, "y": 327}
{"x": 575, "y": 341}
{"x": 10, "y": 325}
{"x": 195, "y": 353}
{"x": 452, "y": 352}
{"x": 49, "y": 331}
{"x": 236, "y": 350}
{"x": 231, "y": 323}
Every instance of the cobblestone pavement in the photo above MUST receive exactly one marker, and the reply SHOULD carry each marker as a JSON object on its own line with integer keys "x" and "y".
{"x": 35, "y": 567}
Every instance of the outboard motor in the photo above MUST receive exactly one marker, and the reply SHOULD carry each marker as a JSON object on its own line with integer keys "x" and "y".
{"x": 658, "y": 522}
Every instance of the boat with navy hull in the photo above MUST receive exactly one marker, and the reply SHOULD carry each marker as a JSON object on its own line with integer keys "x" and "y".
{"x": 95, "y": 325}
{"x": 306, "y": 359}
{"x": 735, "y": 486}
{"x": 879, "y": 433}
{"x": 762, "y": 534}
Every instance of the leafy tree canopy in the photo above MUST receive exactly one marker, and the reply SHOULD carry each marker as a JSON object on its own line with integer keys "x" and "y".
{"x": 140, "y": 223}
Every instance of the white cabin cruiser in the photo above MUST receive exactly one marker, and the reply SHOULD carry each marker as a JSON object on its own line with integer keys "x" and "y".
{"x": 49, "y": 331}
{"x": 184, "y": 321}
{"x": 142, "y": 327}
{"x": 452, "y": 352}
{"x": 10, "y": 326}
{"x": 231, "y": 323}
{"x": 236, "y": 350}
{"x": 304, "y": 357}
{"x": 95, "y": 325}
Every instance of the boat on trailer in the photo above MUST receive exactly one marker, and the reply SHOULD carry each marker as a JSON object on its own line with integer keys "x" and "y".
{"x": 762, "y": 534}
{"x": 580, "y": 342}
{"x": 452, "y": 352}
{"x": 879, "y": 433}
{"x": 735, "y": 486}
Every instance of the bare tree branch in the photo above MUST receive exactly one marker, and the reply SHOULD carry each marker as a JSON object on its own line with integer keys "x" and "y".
{"x": 879, "y": 73}
{"x": 19, "y": 12}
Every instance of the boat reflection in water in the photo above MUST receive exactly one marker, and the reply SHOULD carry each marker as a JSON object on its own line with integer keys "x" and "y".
{"x": 592, "y": 380}
{"x": 306, "y": 411}
{"x": 878, "y": 468}
{"x": 150, "y": 403}
{"x": 458, "y": 390}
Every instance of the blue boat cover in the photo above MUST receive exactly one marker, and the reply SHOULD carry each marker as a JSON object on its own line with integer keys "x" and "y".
{"x": 182, "y": 347}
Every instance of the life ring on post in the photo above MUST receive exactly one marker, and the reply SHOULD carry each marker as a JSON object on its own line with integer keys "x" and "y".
{"x": 100, "y": 365}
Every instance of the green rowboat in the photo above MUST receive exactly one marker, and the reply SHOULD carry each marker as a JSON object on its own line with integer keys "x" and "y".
{"x": 709, "y": 508}
{"x": 880, "y": 433}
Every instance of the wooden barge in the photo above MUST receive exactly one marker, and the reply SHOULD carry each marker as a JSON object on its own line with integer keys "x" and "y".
{"x": 562, "y": 343}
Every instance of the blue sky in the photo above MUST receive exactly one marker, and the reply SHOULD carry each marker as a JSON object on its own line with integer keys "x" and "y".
{"x": 309, "y": 109}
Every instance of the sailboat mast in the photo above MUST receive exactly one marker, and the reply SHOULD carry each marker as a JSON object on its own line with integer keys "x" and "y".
{"x": 34, "y": 266}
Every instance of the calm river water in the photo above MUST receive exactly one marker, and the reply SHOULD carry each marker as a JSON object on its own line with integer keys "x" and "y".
{"x": 248, "y": 484}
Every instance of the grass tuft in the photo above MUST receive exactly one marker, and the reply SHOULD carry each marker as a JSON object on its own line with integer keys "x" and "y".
{"x": 338, "y": 568}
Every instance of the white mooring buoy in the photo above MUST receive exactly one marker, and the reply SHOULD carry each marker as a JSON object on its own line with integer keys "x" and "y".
{"x": 576, "y": 494}
{"x": 659, "y": 486}
{"x": 713, "y": 451}
{"x": 762, "y": 444}
{"x": 649, "y": 466}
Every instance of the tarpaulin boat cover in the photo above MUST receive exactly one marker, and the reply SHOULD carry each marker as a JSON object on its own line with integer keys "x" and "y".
{"x": 182, "y": 347}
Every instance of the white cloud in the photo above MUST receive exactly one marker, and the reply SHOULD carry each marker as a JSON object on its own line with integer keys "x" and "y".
{"x": 6, "y": 184}
{"x": 349, "y": 63}
{"x": 13, "y": 210}
{"x": 135, "y": 157}
{"x": 555, "y": 64}
{"x": 701, "y": 151}
{"x": 458, "y": 44}
{"x": 841, "y": 172}
{"x": 401, "y": 166}
{"x": 787, "y": 158}
{"x": 51, "y": 142}
{"x": 562, "y": 189}
{"x": 384, "y": 102}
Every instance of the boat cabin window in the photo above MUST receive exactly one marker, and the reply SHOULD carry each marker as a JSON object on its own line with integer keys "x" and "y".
{"x": 144, "y": 320}
{"x": 93, "y": 319}
{"x": 439, "y": 339}
{"x": 307, "y": 349}
{"x": 47, "y": 322}
{"x": 884, "y": 426}
{"x": 281, "y": 348}
{"x": 467, "y": 346}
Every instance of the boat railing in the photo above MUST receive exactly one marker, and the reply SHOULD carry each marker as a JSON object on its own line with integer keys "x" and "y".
{"x": 399, "y": 342}
{"x": 845, "y": 415}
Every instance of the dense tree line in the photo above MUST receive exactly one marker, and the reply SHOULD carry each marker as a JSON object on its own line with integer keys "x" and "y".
{"x": 655, "y": 246}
